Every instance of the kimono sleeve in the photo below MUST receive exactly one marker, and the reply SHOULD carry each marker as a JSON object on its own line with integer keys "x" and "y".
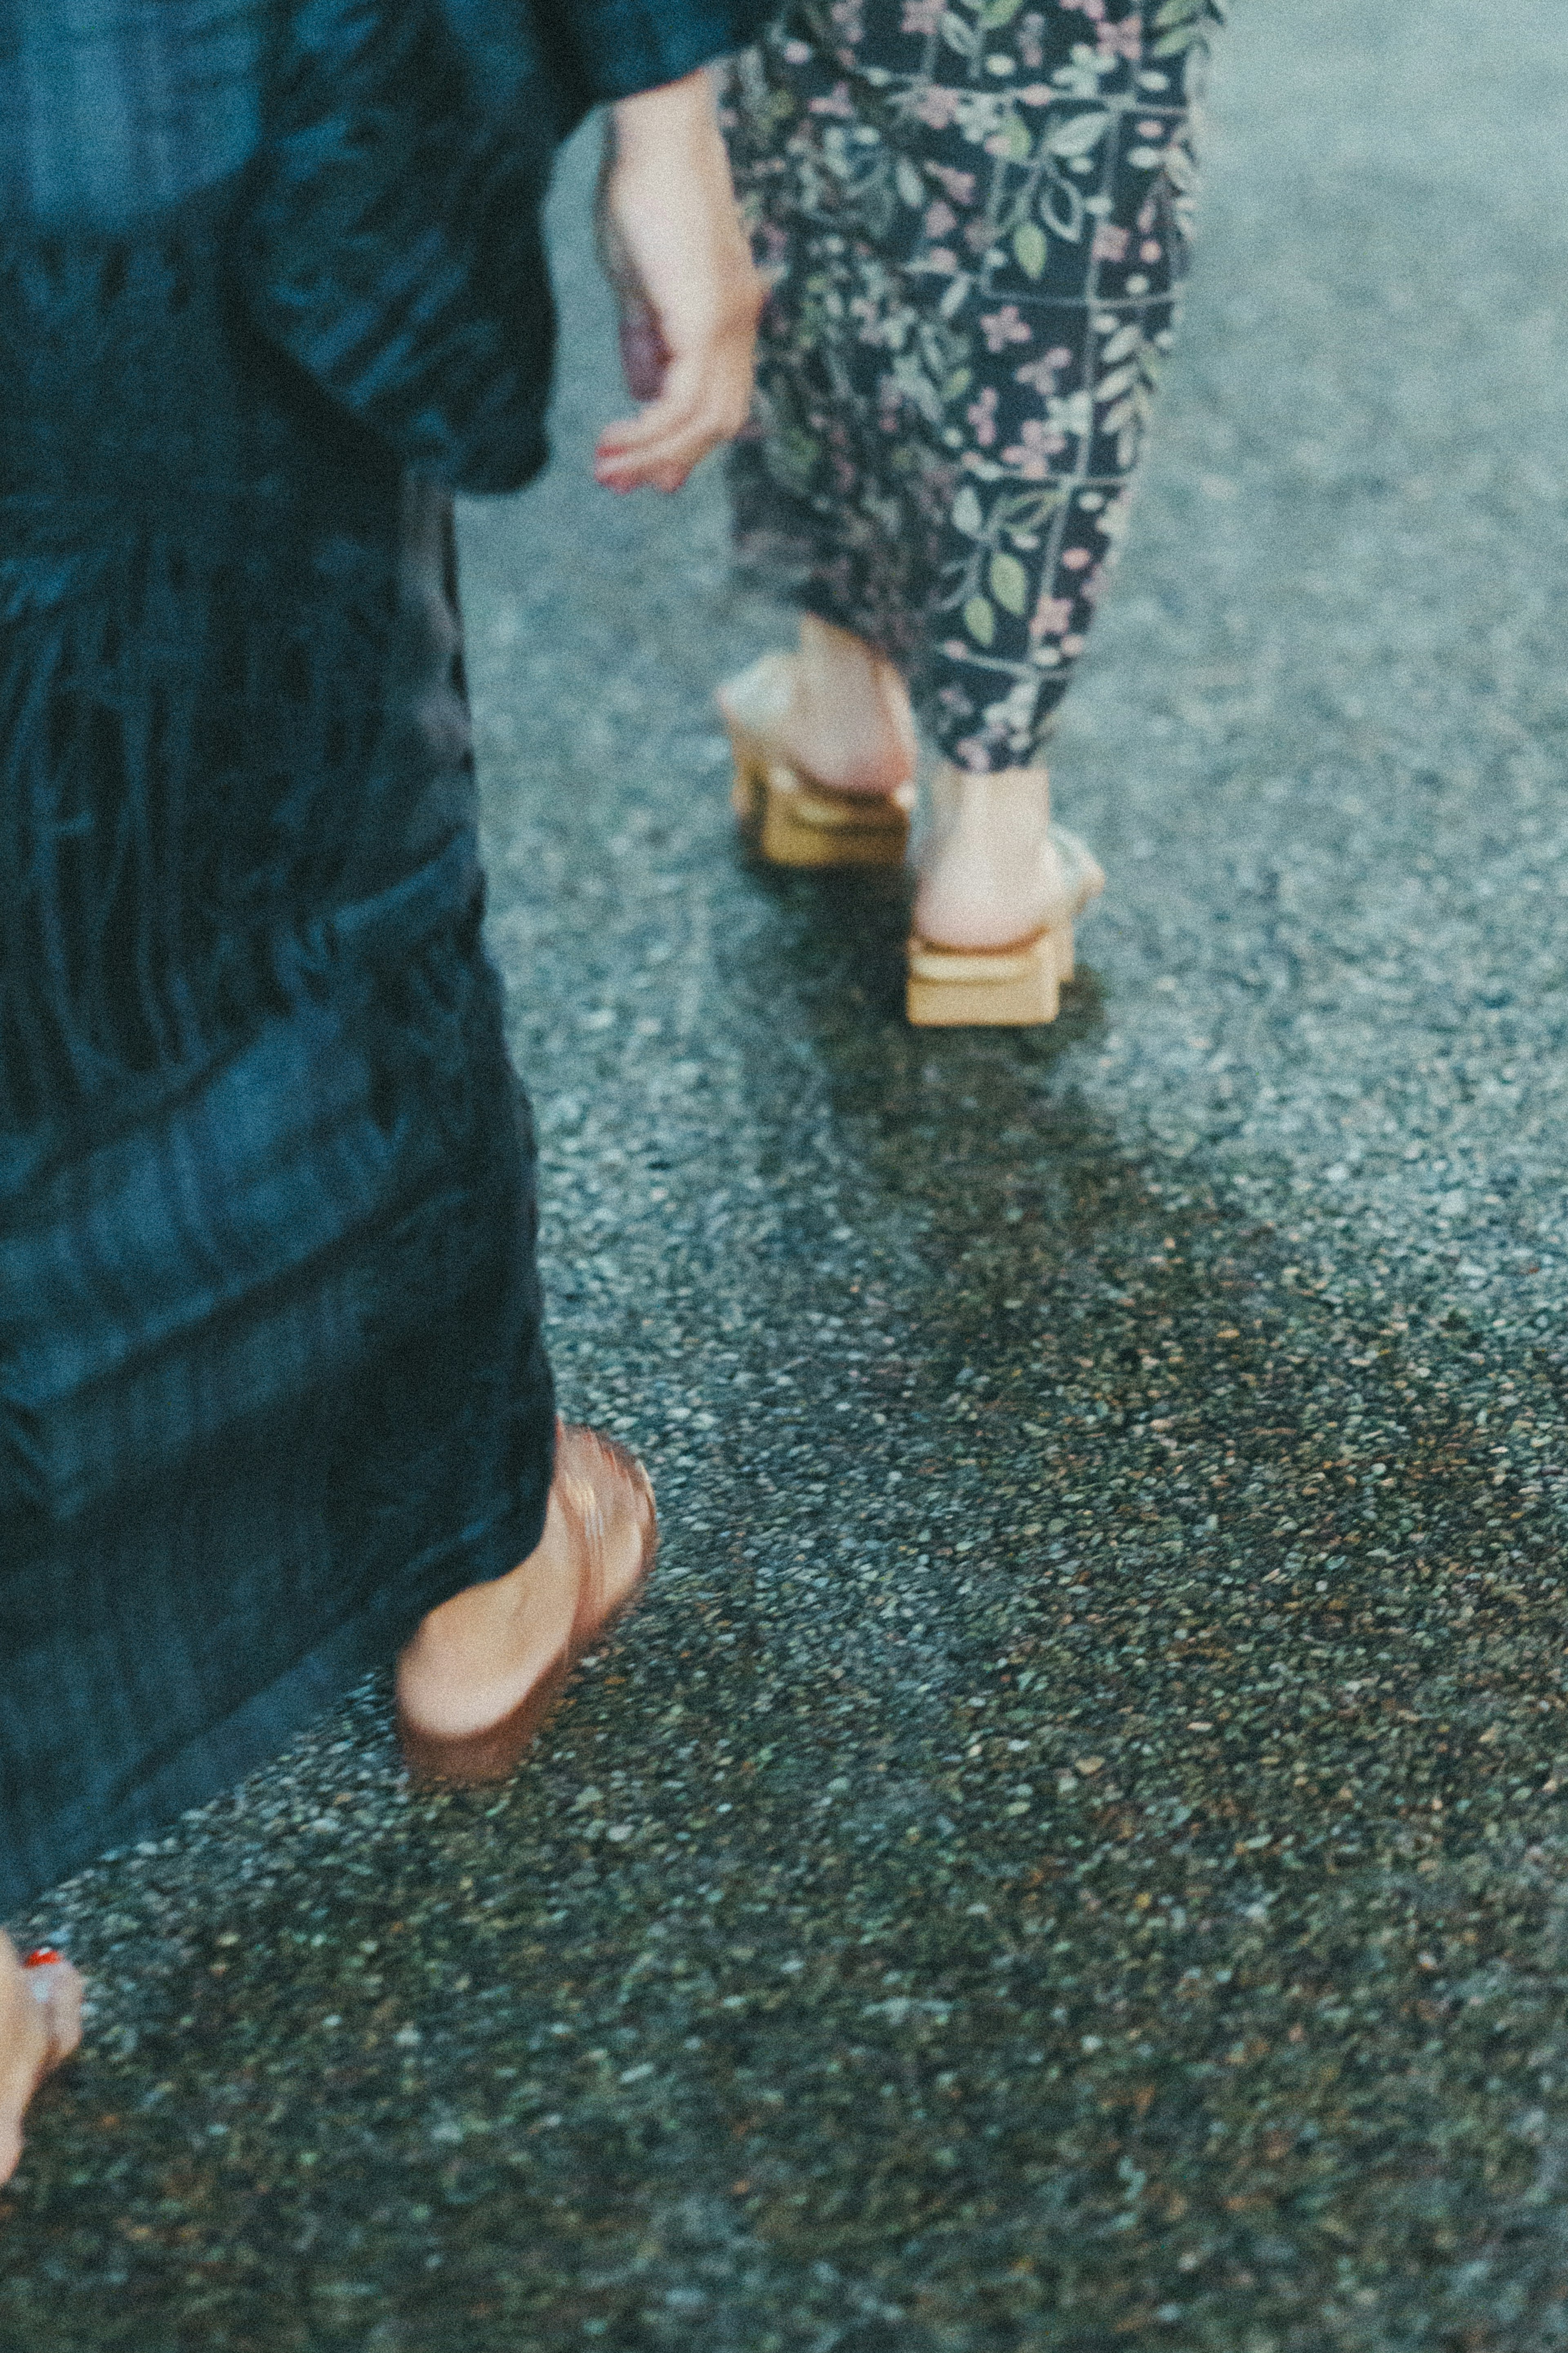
{"x": 607, "y": 49}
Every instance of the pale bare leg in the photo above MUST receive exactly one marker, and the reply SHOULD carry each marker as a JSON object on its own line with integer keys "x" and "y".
{"x": 485, "y": 1658}
{"x": 991, "y": 876}
{"x": 40, "y": 2025}
{"x": 846, "y": 722}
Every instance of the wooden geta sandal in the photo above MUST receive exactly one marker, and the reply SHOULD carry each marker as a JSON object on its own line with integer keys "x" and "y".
{"x": 1017, "y": 986}
{"x": 789, "y": 818}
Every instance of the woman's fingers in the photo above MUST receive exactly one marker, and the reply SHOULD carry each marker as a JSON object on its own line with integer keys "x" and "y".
{"x": 663, "y": 463}
{"x": 707, "y": 390}
{"x": 675, "y": 248}
{"x": 683, "y": 430}
{"x": 704, "y": 403}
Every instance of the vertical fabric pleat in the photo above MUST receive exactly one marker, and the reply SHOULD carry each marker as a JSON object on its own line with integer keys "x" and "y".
{"x": 271, "y": 1376}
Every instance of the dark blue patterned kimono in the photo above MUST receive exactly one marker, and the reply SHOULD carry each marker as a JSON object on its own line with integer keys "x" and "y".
{"x": 271, "y": 1378}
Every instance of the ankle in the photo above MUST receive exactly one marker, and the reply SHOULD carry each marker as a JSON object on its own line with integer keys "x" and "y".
{"x": 991, "y": 876}
{"x": 850, "y": 712}
{"x": 1008, "y": 805}
{"x": 831, "y": 659}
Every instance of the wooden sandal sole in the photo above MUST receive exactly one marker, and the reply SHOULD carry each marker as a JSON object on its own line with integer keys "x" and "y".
{"x": 1009, "y": 989}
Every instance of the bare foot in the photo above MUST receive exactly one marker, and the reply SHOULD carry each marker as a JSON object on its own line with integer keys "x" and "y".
{"x": 480, "y": 1675}
{"x": 40, "y": 2026}
{"x": 837, "y": 712}
{"x": 993, "y": 875}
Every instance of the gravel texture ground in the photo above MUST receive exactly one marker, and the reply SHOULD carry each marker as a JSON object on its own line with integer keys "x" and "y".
{"x": 1072, "y": 1853}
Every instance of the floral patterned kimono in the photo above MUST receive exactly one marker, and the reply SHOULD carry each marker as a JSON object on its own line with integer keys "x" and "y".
{"x": 975, "y": 217}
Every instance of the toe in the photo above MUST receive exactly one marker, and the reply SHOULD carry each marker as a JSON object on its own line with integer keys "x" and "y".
{"x": 62, "y": 2011}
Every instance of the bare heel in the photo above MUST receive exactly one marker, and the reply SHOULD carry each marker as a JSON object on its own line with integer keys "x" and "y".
{"x": 608, "y": 1507}
{"x": 790, "y": 819}
{"x": 1011, "y": 987}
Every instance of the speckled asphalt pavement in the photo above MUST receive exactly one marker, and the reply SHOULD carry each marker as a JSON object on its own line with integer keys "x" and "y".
{"x": 1072, "y": 1853}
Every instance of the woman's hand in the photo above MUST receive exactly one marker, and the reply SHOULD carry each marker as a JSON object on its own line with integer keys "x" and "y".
{"x": 672, "y": 235}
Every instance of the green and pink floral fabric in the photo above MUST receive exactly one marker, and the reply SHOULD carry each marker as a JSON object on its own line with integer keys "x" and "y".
{"x": 973, "y": 217}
